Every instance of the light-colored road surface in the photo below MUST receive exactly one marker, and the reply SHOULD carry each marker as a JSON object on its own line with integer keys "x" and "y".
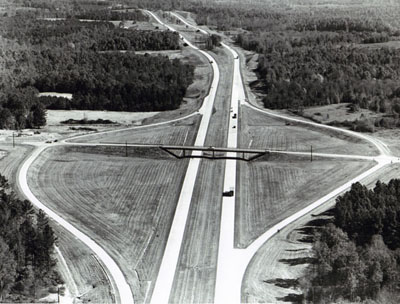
{"x": 165, "y": 279}
{"x": 123, "y": 288}
{"x": 226, "y": 266}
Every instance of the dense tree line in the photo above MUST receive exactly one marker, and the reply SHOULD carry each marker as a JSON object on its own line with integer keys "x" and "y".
{"x": 99, "y": 36}
{"x": 109, "y": 15}
{"x": 114, "y": 81}
{"x": 26, "y": 249}
{"x": 358, "y": 255}
{"x": 137, "y": 40}
{"x": 69, "y": 56}
{"x": 300, "y": 69}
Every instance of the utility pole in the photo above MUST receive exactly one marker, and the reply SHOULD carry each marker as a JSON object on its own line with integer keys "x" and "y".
{"x": 126, "y": 149}
{"x": 311, "y": 153}
{"x": 13, "y": 140}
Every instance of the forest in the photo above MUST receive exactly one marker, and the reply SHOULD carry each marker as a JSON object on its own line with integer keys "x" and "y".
{"x": 323, "y": 57}
{"x": 81, "y": 58}
{"x": 357, "y": 255}
{"x": 26, "y": 249}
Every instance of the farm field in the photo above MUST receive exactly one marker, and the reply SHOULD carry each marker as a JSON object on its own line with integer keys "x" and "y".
{"x": 272, "y": 189}
{"x": 126, "y": 204}
{"x": 285, "y": 257}
{"x": 195, "y": 277}
{"x": 177, "y": 133}
{"x": 259, "y": 130}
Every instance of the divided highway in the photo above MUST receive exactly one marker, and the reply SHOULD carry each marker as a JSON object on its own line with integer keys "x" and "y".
{"x": 165, "y": 279}
{"x": 232, "y": 262}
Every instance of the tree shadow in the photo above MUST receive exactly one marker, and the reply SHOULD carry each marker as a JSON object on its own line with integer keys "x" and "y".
{"x": 292, "y": 297}
{"x": 284, "y": 283}
{"x": 298, "y": 261}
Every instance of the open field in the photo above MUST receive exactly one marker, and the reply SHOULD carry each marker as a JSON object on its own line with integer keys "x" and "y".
{"x": 177, "y": 133}
{"x": 126, "y": 204}
{"x": 338, "y": 113}
{"x": 392, "y": 138}
{"x": 272, "y": 189}
{"x": 195, "y": 277}
{"x": 56, "y": 94}
{"x": 259, "y": 130}
{"x": 284, "y": 257}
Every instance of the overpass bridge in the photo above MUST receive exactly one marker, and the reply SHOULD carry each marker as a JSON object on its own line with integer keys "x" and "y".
{"x": 209, "y": 152}
{"x": 213, "y": 152}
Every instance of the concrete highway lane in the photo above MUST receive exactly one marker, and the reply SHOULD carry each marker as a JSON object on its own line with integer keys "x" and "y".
{"x": 164, "y": 282}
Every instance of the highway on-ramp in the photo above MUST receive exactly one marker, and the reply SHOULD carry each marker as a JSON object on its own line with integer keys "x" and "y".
{"x": 123, "y": 288}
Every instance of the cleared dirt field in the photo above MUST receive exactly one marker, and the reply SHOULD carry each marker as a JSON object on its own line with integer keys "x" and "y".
{"x": 126, "y": 204}
{"x": 338, "y": 113}
{"x": 55, "y": 117}
{"x": 271, "y": 190}
{"x": 195, "y": 276}
{"x": 177, "y": 133}
{"x": 259, "y": 130}
{"x": 284, "y": 257}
